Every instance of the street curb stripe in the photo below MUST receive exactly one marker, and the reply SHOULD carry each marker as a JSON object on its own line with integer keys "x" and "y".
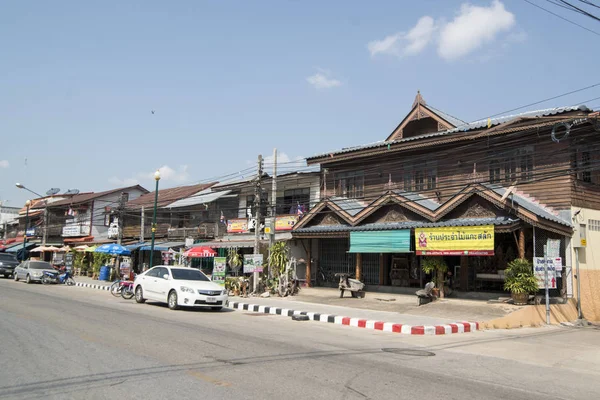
{"x": 92, "y": 286}
{"x": 459, "y": 327}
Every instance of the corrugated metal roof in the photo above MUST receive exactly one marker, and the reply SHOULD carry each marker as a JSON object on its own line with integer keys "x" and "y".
{"x": 166, "y": 196}
{"x": 409, "y": 225}
{"x": 462, "y": 127}
{"x": 350, "y": 206}
{"x": 453, "y": 120}
{"x": 422, "y": 201}
{"x": 528, "y": 204}
{"x": 202, "y": 197}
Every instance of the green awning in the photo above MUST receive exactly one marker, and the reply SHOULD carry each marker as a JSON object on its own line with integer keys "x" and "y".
{"x": 380, "y": 241}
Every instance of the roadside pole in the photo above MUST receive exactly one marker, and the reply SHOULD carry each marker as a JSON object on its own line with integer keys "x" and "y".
{"x": 579, "y": 313}
{"x": 142, "y": 227}
{"x": 546, "y": 286}
{"x": 273, "y": 208}
{"x": 257, "y": 202}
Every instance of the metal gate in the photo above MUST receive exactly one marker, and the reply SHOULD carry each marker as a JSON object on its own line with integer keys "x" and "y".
{"x": 334, "y": 258}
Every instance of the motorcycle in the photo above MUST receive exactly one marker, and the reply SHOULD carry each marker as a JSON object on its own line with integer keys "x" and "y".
{"x": 126, "y": 289}
{"x": 49, "y": 277}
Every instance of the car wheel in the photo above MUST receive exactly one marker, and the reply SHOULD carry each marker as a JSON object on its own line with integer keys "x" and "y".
{"x": 16, "y": 277}
{"x": 172, "y": 300}
{"x": 216, "y": 308}
{"x": 28, "y": 279}
{"x": 6, "y": 276}
{"x": 139, "y": 295}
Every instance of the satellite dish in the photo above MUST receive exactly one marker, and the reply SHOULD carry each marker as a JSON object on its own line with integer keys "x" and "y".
{"x": 52, "y": 191}
{"x": 72, "y": 192}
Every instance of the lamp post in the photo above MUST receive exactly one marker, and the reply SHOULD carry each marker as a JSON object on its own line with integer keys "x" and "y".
{"x": 156, "y": 178}
{"x": 20, "y": 186}
{"x": 27, "y": 204}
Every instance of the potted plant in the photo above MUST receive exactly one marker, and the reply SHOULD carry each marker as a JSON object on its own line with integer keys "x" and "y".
{"x": 520, "y": 281}
{"x": 437, "y": 267}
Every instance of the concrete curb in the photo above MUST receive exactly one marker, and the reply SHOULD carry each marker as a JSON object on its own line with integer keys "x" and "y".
{"x": 92, "y": 286}
{"x": 459, "y": 327}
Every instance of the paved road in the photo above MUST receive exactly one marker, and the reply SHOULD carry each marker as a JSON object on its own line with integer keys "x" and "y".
{"x": 66, "y": 342}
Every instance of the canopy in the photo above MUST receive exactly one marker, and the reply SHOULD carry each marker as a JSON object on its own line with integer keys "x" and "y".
{"x": 114, "y": 249}
{"x": 380, "y": 241}
{"x": 200, "y": 252}
{"x": 91, "y": 249}
{"x": 81, "y": 247}
{"x": 136, "y": 246}
{"x": 162, "y": 246}
{"x": 18, "y": 247}
{"x": 65, "y": 249}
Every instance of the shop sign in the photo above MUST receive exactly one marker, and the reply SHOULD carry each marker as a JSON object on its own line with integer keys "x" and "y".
{"x": 285, "y": 223}
{"x": 253, "y": 263}
{"x": 237, "y": 225}
{"x": 455, "y": 241}
{"x": 31, "y": 232}
{"x": 113, "y": 230}
{"x": 219, "y": 269}
{"x": 554, "y": 270}
{"x": 69, "y": 261}
{"x": 75, "y": 230}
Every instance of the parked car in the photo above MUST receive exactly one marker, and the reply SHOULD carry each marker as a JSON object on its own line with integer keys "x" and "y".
{"x": 32, "y": 271}
{"x": 179, "y": 286}
{"x": 8, "y": 263}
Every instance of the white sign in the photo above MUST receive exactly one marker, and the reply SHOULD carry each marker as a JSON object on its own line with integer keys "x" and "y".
{"x": 113, "y": 231}
{"x": 253, "y": 263}
{"x": 75, "y": 230}
{"x": 553, "y": 248}
{"x": 539, "y": 269}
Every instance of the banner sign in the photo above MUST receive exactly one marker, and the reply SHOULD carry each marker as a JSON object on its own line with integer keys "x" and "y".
{"x": 554, "y": 270}
{"x": 237, "y": 225}
{"x": 219, "y": 269}
{"x": 253, "y": 263}
{"x": 455, "y": 241}
{"x": 285, "y": 223}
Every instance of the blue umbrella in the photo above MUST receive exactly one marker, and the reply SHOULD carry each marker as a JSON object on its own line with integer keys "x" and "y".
{"x": 114, "y": 249}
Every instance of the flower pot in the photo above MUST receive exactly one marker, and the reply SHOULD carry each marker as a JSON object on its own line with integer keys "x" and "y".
{"x": 520, "y": 298}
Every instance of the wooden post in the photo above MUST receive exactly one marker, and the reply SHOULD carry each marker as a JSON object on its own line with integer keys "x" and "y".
{"x": 464, "y": 273}
{"x": 358, "y": 266}
{"x": 381, "y": 269}
{"x": 308, "y": 264}
{"x": 522, "y": 243}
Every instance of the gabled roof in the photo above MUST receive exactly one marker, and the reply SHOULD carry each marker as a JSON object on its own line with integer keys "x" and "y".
{"x": 167, "y": 196}
{"x": 82, "y": 198}
{"x": 501, "y": 124}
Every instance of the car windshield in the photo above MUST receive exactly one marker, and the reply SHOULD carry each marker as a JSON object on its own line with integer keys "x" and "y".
{"x": 189, "y": 275}
{"x": 39, "y": 265}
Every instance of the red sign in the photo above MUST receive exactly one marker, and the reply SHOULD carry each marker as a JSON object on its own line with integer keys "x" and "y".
{"x": 455, "y": 253}
{"x": 237, "y": 225}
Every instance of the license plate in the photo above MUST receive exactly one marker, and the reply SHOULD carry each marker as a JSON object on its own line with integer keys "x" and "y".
{"x": 211, "y": 299}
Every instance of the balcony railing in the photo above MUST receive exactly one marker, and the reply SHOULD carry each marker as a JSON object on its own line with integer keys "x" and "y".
{"x": 206, "y": 230}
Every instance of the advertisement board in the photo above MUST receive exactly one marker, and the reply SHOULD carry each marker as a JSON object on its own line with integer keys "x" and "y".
{"x": 237, "y": 225}
{"x": 253, "y": 263}
{"x": 219, "y": 270}
{"x": 286, "y": 222}
{"x": 455, "y": 241}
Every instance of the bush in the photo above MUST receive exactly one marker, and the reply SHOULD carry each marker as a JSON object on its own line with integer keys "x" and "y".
{"x": 519, "y": 277}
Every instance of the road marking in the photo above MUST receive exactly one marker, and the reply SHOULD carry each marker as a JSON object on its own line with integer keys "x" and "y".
{"x": 209, "y": 379}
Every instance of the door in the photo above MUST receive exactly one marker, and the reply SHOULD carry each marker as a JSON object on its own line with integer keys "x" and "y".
{"x": 22, "y": 270}
{"x": 162, "y": 285}
{"x": 149, "y": 283}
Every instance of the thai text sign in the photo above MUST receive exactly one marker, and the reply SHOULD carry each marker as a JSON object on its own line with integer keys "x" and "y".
{"x": 237, "y": 225}
{"x": 554, "y": 270}
{"x": 219, "y": 269}
{"x": 253, "y": 263}
{"x": 285, "y": 223}
{"x": 455, "y": 241}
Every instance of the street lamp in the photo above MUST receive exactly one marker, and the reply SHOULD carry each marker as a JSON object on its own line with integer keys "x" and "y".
{"x": 156, "y": 178}
{"x": 21, "y": 186}
{"x": 27, "y": 204}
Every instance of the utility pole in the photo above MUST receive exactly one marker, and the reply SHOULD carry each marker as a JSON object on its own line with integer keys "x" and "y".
{"x": 120, "y": 216}
{"x": 546, "y": 285}
{"x": 257, "y": 202}
{"x": 142, "y": 227}
{"x": 45, "y": 230}
{"x": 273, "y": 207}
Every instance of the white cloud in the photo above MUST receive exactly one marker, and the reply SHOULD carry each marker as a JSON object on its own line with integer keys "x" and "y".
{"x": 169, "y": 174}
{"x": 123, "y": 182}
{"x": 4, "y": 164}
{"x": 473, "y": 27}
{"x": 401, "y": 43}
{"x": 323, "y": 80}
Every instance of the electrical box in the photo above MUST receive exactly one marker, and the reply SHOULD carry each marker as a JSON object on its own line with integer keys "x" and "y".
{"x": 580, "y": 235}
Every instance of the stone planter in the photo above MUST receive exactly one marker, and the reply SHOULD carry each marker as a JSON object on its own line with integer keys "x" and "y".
{"x": 520, "y": 298}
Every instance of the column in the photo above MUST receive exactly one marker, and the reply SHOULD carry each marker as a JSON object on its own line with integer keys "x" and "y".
{"x": 381, "y": 269}
{"x": 464, "y": 273}
{"x": 358, "y": 266}
{"x": 308, "y": 264}
{"x": 522, "y": 243}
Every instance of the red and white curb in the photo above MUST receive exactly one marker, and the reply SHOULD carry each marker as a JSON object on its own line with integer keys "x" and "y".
{"x": 459, "y": 327}
{"x": 92, "y": 286}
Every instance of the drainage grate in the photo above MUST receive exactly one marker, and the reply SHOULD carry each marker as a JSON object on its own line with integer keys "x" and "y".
{"x": 409, "y": 352}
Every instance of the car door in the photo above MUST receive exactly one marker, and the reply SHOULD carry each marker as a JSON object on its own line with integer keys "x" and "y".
{"x": 149, "y": 283}
{"x": 23, "y": 269}
{"x": 162, "y": 285}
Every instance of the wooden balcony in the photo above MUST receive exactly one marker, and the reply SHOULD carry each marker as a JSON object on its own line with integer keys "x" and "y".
{"x": 204, "y": 230}
{"x": 134, "y": 231}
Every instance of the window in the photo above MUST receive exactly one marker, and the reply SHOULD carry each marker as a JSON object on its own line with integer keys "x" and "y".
{"x": 350, "y": 184}
{"x": 581, "y": 165}
{"x": 431, "y": 175}
{"x": 512, "y": 166}
{"x": 408, "y": 179}
{"x": 594, "y": 225}
{"x": 526, "y": 163}
{"x": 419, "y": 181}
{"x": 189, "y": 275}
{"x": 292, "y": 198}
{"x": 420, "y": 177}
{"x": 495, "y": 168}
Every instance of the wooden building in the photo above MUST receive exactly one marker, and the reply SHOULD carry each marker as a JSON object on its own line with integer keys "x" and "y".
{"x": 519, "y": 176}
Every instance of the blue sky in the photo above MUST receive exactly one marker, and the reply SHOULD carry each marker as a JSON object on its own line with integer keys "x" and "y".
{"x": 229, "y": 80}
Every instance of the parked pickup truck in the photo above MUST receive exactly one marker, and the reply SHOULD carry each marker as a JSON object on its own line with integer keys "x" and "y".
{"x": 8, "y": 262}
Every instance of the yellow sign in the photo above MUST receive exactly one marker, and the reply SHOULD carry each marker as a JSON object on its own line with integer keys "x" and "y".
{"x": 237, "y": 225}
{"x": 455, "y": 241}
{"x": 583, "y": 242}
{"x": 267, "y": 229}
{"x": 285, "y": 223}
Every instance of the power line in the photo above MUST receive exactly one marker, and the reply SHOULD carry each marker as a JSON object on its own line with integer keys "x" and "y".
{"x": 563, "y": 18}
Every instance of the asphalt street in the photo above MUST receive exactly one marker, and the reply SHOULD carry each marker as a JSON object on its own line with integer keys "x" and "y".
{"x": 60, "y": 342}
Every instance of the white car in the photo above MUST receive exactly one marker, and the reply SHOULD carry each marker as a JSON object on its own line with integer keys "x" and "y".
{"x": 179, "y": 286}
